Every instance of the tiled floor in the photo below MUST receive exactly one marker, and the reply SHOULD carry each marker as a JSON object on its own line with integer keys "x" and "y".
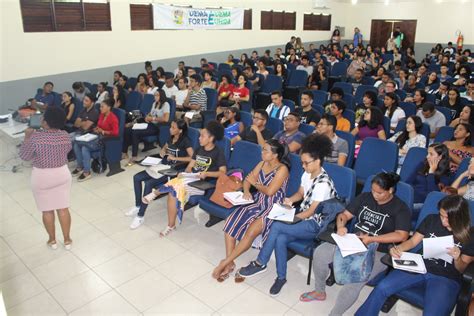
{"x": 112, "y": 270}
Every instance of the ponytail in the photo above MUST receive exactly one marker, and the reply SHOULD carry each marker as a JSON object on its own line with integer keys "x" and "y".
{"x": 282, "y": 152}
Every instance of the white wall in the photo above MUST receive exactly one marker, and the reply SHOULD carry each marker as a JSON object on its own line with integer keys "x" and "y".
{"x": 437, "y": 21}
{"x": 27, "y": 55}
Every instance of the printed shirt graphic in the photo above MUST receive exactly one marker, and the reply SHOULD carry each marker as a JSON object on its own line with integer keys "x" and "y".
{"x": 371, "y": 222}
{"x": 202, "y": 163}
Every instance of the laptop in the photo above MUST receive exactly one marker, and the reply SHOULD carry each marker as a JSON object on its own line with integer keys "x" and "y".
{"x": 35, "y": 121}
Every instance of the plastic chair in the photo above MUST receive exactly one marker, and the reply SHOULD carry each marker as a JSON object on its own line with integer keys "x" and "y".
{"x": 445, "y": 133}
{"x": 296, "y": 171}
{"x": 319, "y": 97}
{"x": 345, "y": 86}
{"x": 350, "y": 139}
{"x": 274, "y": 125}
{"x": 338, "y": 70}
{"x": 246, "y": 118}
{"x": 133, "y": 101}
{"x": 446, "y": 112}
{"x": 351, "y": 116}
{"x": 319, "y": 108}
{"x": 413, "y": 158}
{"x": 290, "y": 104}
{"x": 224, "y": 144}
{"x": 211, "y": 99}
{"x": 408, "y": 107}
{"x": 132, "y": 82}
{"x": 375, "y": 155}
{"x": 306, "y": 129}
{"x": 224, "y": 66}
{"x": 401, "y": 94}
{"x": 147, "y": 103}
{"x": 193, "y": 135}
{"x": 349, "y": 99}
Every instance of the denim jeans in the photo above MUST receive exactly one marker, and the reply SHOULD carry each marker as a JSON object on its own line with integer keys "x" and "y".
{"x": 280, "y": 235}
{"x": 83, "y": 150}
{"x": 149, "y": 184}
{"x": 439, "y": 298}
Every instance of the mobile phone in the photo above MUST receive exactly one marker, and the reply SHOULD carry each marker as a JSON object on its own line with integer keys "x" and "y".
{"x": 408, "y": 263}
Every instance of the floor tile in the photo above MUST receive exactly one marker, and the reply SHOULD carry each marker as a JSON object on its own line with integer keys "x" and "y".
{"x": 180, "y": 303}
{"x": 121, "y": 269}
{"x": 40, "y": 254}
{"x": 131, "y": 239}
{"x": 157, "y": 288}
{"x": 27, "y": 238}
{"x": 18, "y": 223}
{"x": 97, "y": 251}
{"x": 254, "y": 302}
{"x": 20, "y": 288}
{"x": 42, "y": 304}
{"x": 157, "y": 251}
{"x": 110, "y": 303}
{"x": 11, "y": 267}
{"x": 78, "y": 291}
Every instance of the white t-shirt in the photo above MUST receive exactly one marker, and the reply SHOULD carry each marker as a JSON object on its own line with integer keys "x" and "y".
{"x": 170, "y": 91}
{"x": 321, "y": 191}
{"x": 436, "y": 121}
{"x": 152, "y": 90}
{"x": 397, "y": 116}
{"x": 181, "y": 96}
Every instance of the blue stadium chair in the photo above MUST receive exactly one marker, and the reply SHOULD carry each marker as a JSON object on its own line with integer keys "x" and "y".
{"x": 294, "y": 179}
{"x": 345, "y": 182}
{"x": 338, "y": 70}
{"x": 369, "y": 81}
{"x": 351, "y": 116}
{"x": 224, "y": 143}
{"x": 110, "y": 90}
{"x": 359, "y": 94}
{"x": 401, "y": 94}
{"x": 193, "y": 135}
{"x": 404, "y": 191}
{"x": 211, "y": 98}
{"x": 408, "y": 107}
{"x": 274, "y": 125}
{"x": 375, "y": 155}
{"x": 431, "y": 98}
{"x": 345, "y": 86}
{"x": 446, "y": 112}
{"x": 132, "y": 82}
{"x": 58, "y": 99}
{"x": 298, "y": 80}
{"x": 306, "y": 129}
{"x": 425, "y": 130}
{"x": 290, "y": 104}
{"x": 224, "y": 66}
{"x": 214, "y": 65}
{"x": 207, "y": 116}
{"x": 349, "y": 100}
{"x": 290, "y": 67}
{"x": 445, "y": 133}
{"x": 133, "y": 101}
{"x": 386, "y": 58}
{"x": 386, "y": 126}
{"x": 270, "y": 84}
{"x": 246, "y": 118}
{"x": 414, "y": 157}
{"x": 222, "y": 72}
{"x": 350, "y": 139}
{"x": 147, "y": 103}
{"x": 319, "y": 108}
{"x": 319, "y": 97}
{"x": 245, "y": 156}
{"x": 461, "y": 168}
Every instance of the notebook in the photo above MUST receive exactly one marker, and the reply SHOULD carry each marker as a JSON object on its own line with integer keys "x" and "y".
{"x": 282, "y": 213}
{"x": 349, "y": 244}
{"x": 86, "y": 137}
{"x": 236, "y": 198}
{"x": 140, "y": 126}
{"x": 151, "y": 161}
{"x": 411, "y": 262}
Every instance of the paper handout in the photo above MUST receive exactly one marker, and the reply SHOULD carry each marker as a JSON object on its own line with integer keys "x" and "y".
{"x": 437, "y": 248}
{"x": 236, "y": 198}
{"x": 139, "y": 126}
{"x": 151, "y": 161}
{"x": 411, "y": 262}
{"x": 349, "y": 244}
{"x": 282, "y": 213}
{"x": 86, "y": 137}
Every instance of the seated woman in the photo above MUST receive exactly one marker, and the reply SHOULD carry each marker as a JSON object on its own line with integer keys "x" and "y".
{"x": 152, "y": 85}
{"x": 208, "y": 82}
{"x": 466, "y": 116}
{"x": 177, "y": 149}
{"x": 223, "y": 93}
{"x": 141, "y": 86}
{"x": 262, "y": 64}
{"x": 108, "y": 125}
{"x": 281, "y": 72}
{"x": 460, "y": 146}
{"x": 240, "y": 93}
{"x": 119, "y": 97}
{"x": 316, "y": 187}
{"x": 467, "y": 190}
{"x": 380, "y": 216}
{"x": 246, "y": 223}
{"x": 102, "y": 92}
{"x": 432, "y": 174}
{"x": 393, "y": 111}
{"x": 318, "y": 78}
{"x": 431, "y": 82}
{"x": 369, "y": 99}
{"x": 370, "y": 126}
{"x": 409, "y": 137}
{"x": 453, "y": 102}
{"x": 160, "y": 113}
{"x": 208, "y": 162}
{"x": 68, "y": 106}
{"x": 231, "y": 122}
{"x": 442, "y": 281}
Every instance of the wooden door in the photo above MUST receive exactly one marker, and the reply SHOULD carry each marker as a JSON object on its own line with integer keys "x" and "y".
{"x": 381, "y": 29}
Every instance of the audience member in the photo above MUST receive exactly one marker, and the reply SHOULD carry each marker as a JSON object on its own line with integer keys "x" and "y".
{"x": 453, "y": 102}
{"x": 208, "y": 82}
{"x": 68, "y": 106}
{"x": 262, "y": 70}
{"x": 392, "y": 110}
{"x": 80, "y": 91}
{"x": 307, "y": 113}
{"x": 370, "y": 126}
{"x": 169, "y": 87}
{"x": 290, "y": 135}
{"x": 337, "y": 109}
{"x": 340, "y": 148}
{"x": 141, "y": 86}
{"x": 318, "y": 78}
{"x": 369, "y": 99}
{"x": 195, "y": 102}
{"x": 277, "y": 109}
{"x": 88, "y": 117}
{"x": 305, "y": 65}
{"x": 256, "y": 133}
{"x": 409, "y": 137}
{"x": 466, "y": 116}
{"x": 233, "y": 127}
{"x": 119, "y": 98}
{"x": 460, "y": 147}
{"x": 240, "y": 93}
{"x": 44, "y": 98}
{"x": 336, "y": 94}
{"x": 224, "y": 92}
{"x": 434, "y": 118}
{"x": 182, "y": 93}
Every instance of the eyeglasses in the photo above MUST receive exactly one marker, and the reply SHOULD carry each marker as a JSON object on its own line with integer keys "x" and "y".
{"x": 257, "y": 118}
{"x": 306, "y": 163}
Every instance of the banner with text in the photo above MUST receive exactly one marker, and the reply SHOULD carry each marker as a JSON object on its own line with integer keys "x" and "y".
{"x": 180, "y": 18}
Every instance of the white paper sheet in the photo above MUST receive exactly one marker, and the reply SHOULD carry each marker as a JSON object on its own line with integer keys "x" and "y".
{"x": 236, "y": 198}
{"x": 420, "y": 264}
{"x": 140, "y": 126}
{"x": 151, "y": 161}
{"x": 437, "y": 248}
{"x": 281, "y": 213}
{"x": 189, "y": 115}
{"x": 86, "y": 137}
{"x": 349, "y": 244}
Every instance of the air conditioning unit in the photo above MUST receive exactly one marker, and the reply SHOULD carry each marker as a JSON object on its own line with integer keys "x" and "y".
{"x": 321, "y": 4}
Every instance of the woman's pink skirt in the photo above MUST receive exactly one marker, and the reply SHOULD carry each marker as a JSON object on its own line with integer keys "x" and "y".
{"x": 51, "y": 188}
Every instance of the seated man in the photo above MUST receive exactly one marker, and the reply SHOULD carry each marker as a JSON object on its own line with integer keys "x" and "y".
{"x": 182, "y": 92}
{"x": 253, "y": 78}
{"x": 357, "y": 80}
{"x": 337, "y": 109}
{"x": 340, "y": 148}
{"x": 335, "y": 93}
{"x": 291, "y": 136}
{"x": 195, "y": 102}
{"x": 434, "y": 118}
{"x": 305, "y": 66}
{"x": 45, "y": 98}
{"x": 87, "y": 118}
{"x": 169, "y": 88}
{"x": 277, "y": 109}
{"x": 308, "y": 114}
{"x": 256, "y": 133}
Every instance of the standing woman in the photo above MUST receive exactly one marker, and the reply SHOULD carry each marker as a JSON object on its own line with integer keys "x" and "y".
{"x": 50, "y": 177}
{"x": 336, "y": 37}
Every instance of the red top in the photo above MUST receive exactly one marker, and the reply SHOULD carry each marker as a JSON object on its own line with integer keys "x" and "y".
{"x": 109, "y": 124}
{"x": 241, "y": 92}
{"x": 228, "y": 89}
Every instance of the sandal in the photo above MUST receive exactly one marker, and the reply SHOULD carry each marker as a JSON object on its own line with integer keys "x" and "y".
{"x": 167, "y": 231}
{"x": 68, "y": 245}
{"x": 238, "y": 278}
{"x": 313, "y": 296}
{"x": 52, "y": 245}
{"x": 150, "y": 197}
{"x": 223, "y": 277}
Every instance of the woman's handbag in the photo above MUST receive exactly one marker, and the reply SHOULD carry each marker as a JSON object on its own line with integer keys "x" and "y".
{"x": 230, "y": 182}
{"x": 354, "y": 268}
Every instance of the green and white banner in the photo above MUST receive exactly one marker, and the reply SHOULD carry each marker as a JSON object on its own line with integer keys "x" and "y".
{"x": 180, "y": 18}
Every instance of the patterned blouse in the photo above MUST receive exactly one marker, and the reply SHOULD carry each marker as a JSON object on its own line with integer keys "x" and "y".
{"x": 47, "y": 148}
{"x": 418, "y": 141}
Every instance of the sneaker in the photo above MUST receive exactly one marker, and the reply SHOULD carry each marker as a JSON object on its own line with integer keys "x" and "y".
{"x": 76, "y": 173}
{"x": 252, "y": 269}
{"x": 137, "y": 222}
{"x": 276, "y": 287}
{"x": 84, "y": 177}
{"x": 133, "y": 211}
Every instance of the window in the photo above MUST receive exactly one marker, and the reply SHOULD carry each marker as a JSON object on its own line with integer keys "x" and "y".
{"x": 141, "y": 17}
{"x": 65, "y": 15}
{"x": 316, "y": 22}
{"x": 248, "y": 19}
{"x": 278, "y": 20}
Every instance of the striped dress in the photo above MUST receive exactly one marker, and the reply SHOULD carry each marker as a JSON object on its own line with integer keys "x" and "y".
{"x": 238, "y": 222}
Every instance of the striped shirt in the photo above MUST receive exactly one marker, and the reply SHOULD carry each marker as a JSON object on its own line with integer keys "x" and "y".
{"x": 198, "y": 97}
{"x": 47, "y": 148}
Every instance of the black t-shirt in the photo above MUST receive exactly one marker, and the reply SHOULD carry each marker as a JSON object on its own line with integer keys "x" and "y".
{"x": 179, "y": 149}
{"x": 432, "y": 227}
{"x": 208, "y": 160}
{"x": 91, "y": 115}
{"x": 249, "y": 135}
{"x": 375, "y": 219}
{"x": 309, "y": 116}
